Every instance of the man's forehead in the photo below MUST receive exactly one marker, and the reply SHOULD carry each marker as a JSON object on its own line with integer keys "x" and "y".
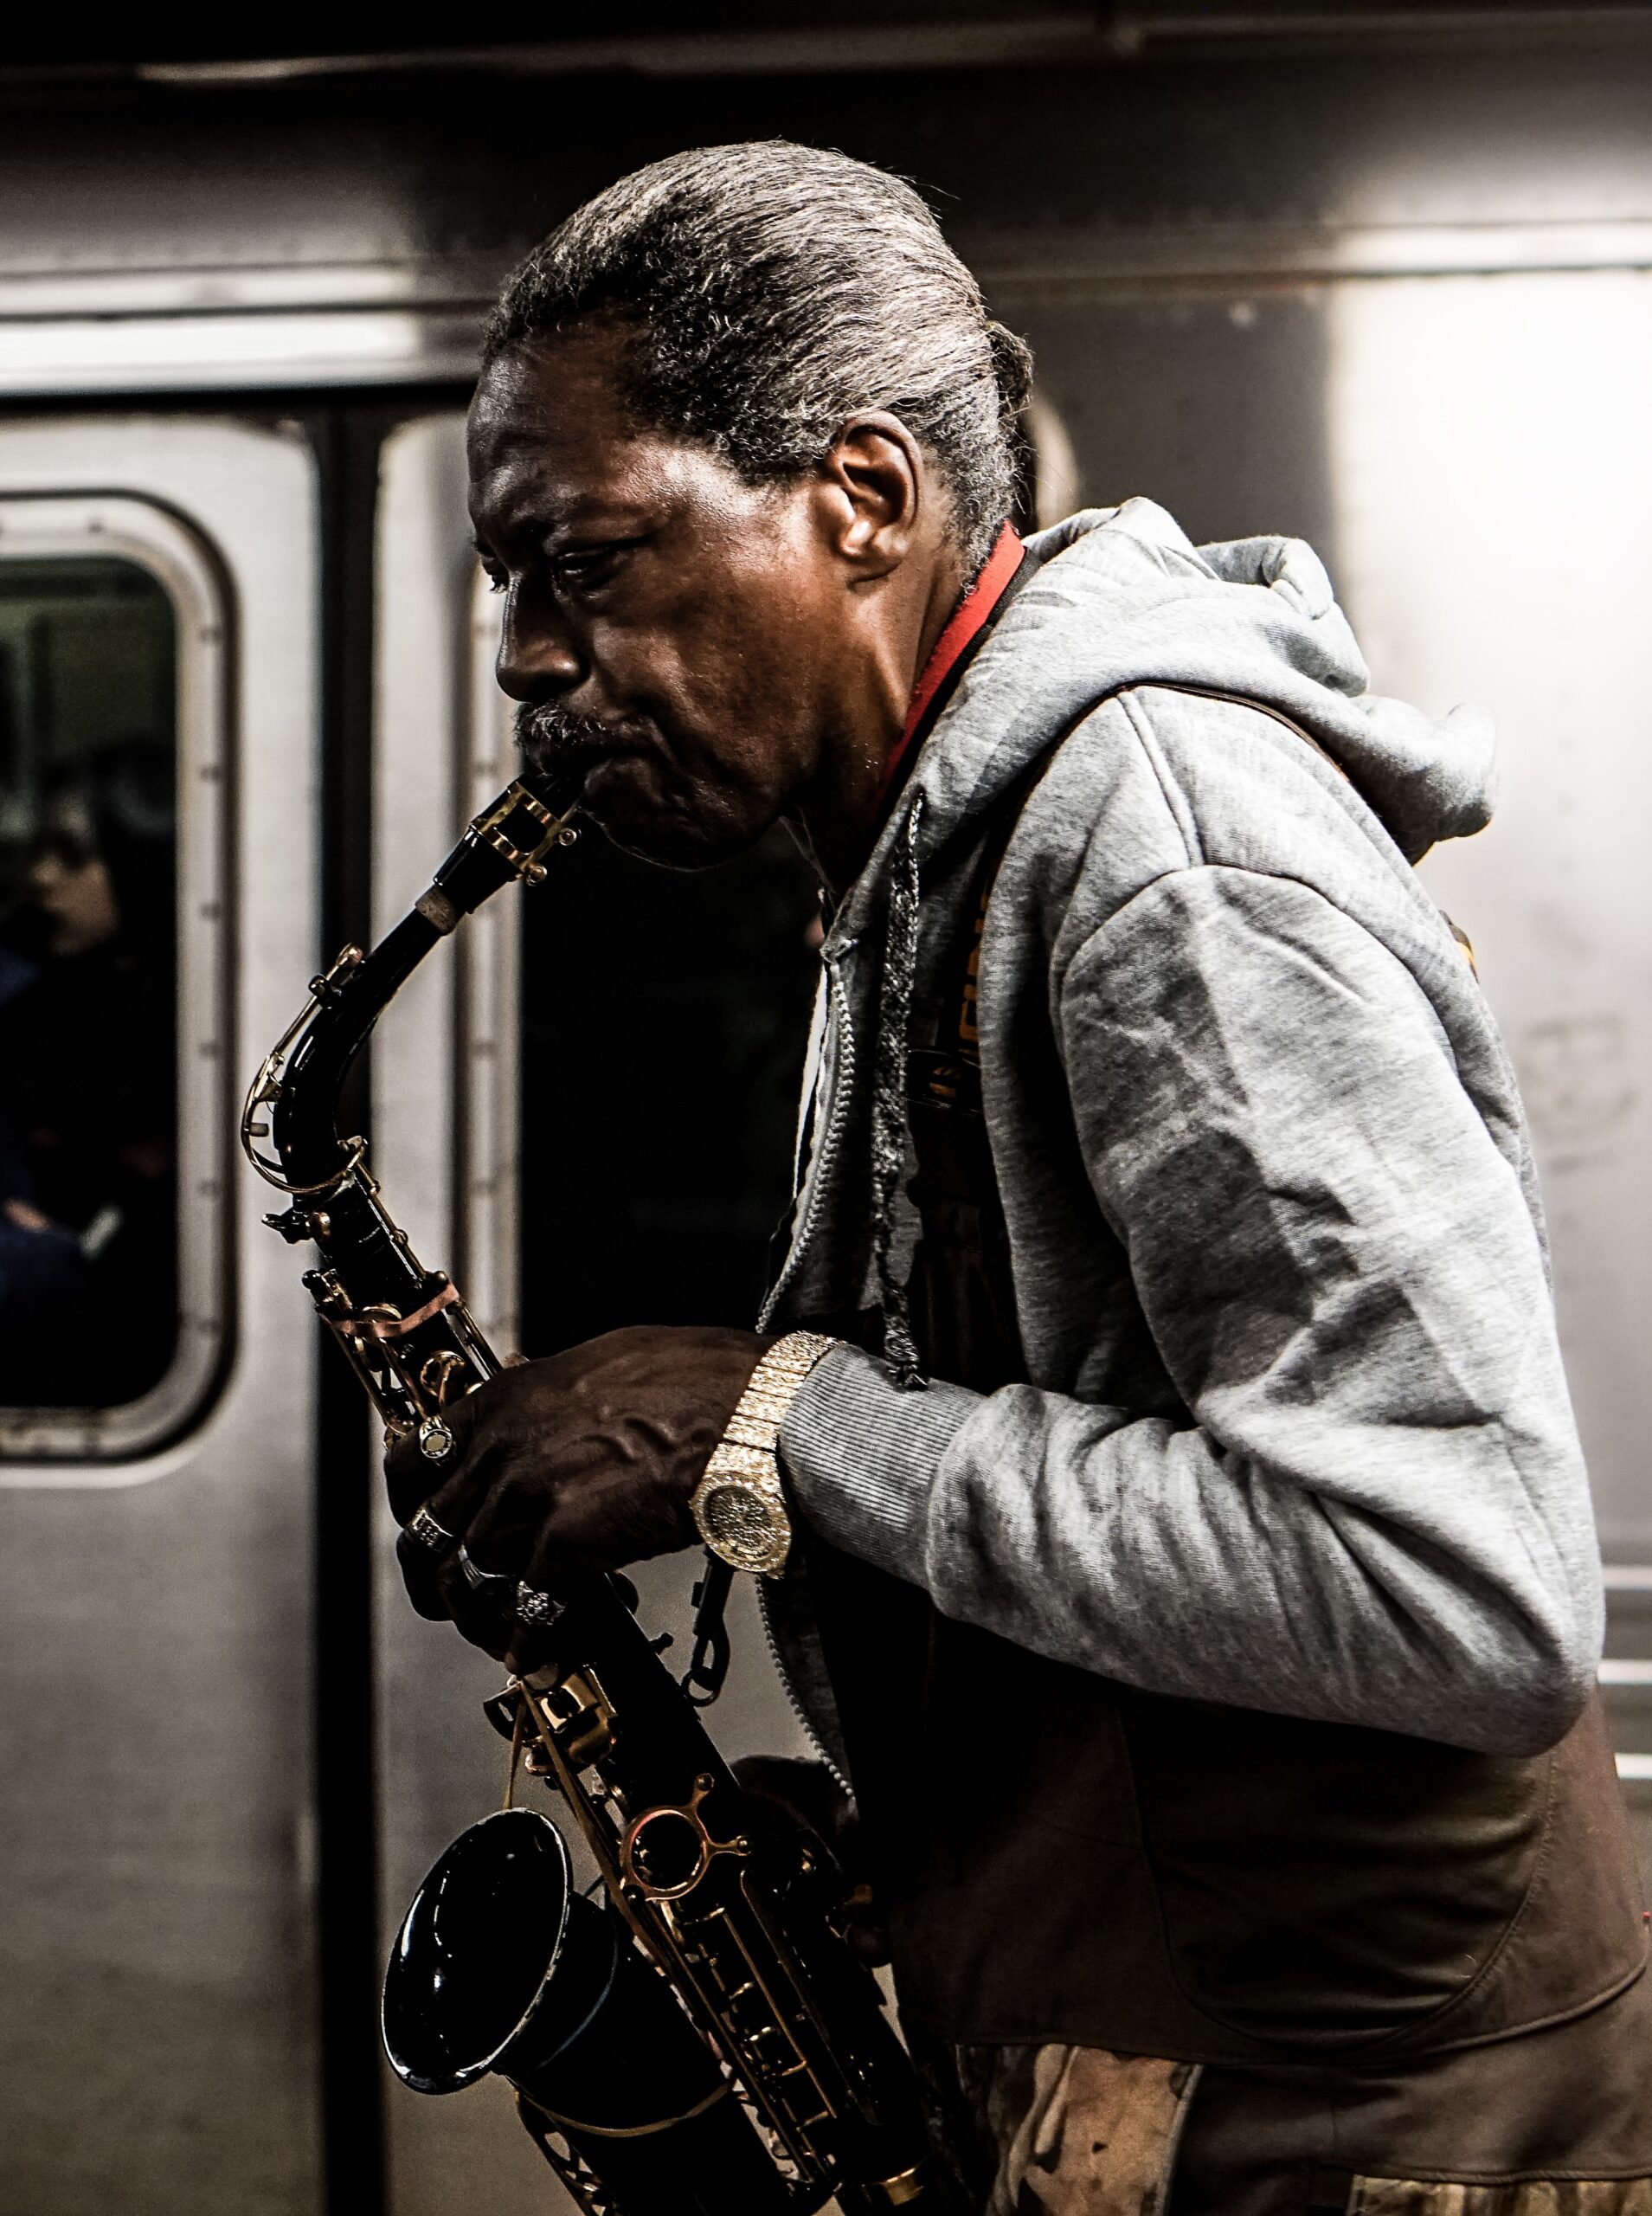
{"x": 539, "y": 473}
{"x": 547, "y": 490}
{"x": 535, "y": 484}
{"x": 552, "y": 453}
{"x": 547, "y": 424}
{"x": 549, "y": 408}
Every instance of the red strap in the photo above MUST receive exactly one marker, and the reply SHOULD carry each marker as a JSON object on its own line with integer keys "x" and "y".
{"x": 964, "y": 623}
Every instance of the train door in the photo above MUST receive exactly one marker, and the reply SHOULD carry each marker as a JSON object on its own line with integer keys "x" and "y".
{"x": 444, "y": 1132}
{"x": 157, "y": 915}
{"x": 583, "y": 1104}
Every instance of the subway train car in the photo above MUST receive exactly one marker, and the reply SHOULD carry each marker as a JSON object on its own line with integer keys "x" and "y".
{"x": 1380, "y": 277}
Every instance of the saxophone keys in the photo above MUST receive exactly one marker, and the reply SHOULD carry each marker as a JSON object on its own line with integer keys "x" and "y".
{"x": 437, "y": 1373}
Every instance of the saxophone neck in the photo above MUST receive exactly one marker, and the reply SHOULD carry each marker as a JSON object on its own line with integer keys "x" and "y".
{"x": 294, "y": 1098}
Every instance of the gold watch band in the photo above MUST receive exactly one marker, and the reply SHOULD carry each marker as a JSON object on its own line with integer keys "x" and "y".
{"x": 739, "y": 1508}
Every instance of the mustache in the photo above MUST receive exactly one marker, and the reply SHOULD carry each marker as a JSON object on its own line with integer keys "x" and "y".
{"x": 548, "y": 737}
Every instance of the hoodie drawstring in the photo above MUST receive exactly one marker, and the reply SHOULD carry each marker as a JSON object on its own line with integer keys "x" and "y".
{"x": 889, "y": 1102}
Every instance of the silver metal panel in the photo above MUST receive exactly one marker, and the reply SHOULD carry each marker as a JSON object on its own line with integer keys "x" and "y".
{"x": 233, "y": 327}
{"x": 243, "y": 288}
{"x": 236, "y": 353}
{"x": 1129, "y": 259}
{"x": 1022, "y": 34}
{"x": 1032, "y": 36}
{"x": 157, "y": 2039}
{"x": 302, "y": 231}
{"x": 289, "y": 184}
{"x": 1492, "y": 461}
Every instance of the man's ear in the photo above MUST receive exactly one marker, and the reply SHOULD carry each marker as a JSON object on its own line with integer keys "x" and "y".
{"x": 873, "y": 484}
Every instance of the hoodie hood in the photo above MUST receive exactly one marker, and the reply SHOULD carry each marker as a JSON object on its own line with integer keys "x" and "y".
{"x": 1124, "y": 597}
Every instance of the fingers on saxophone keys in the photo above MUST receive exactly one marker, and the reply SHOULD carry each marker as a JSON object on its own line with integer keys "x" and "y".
{"x": 424, "y": 1459}
{"x": 439, "y": 1566}
{"x": 538, "y": 1610}
{"x": 427, "y": 1530}
{"x": 423, "y": 1557}
{"x": 480, "y": 1599}
{"x": 491, "y": 1583}
{"x": 421, "y": 1575}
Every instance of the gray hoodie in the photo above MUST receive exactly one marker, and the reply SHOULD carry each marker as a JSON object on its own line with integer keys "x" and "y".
{"x": 1297, "y": 1434}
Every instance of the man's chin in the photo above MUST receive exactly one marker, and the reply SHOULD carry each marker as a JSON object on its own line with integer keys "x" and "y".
{"x": 671, "y": 837}
{"x": 672, "y": 841}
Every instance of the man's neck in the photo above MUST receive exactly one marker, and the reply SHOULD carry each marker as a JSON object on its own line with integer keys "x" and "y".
{"x": 837, "y": 822}
{"x": 838, "y": 838}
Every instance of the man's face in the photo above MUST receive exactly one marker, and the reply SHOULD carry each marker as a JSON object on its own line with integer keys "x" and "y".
{"x": 671, "y": 629}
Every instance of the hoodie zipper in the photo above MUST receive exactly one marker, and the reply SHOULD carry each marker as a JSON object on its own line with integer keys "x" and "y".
{"x": 826, "y": 1155}
{"x": 790, "y": 1690}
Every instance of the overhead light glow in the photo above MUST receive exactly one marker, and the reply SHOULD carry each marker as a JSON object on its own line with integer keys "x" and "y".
{"x": 145, "y": 353}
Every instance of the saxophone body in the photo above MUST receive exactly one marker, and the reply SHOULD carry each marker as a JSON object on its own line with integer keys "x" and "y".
{"x": 706, "y": 2039}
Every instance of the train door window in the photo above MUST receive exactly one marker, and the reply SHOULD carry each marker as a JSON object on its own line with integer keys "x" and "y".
{"x": 104, "y": 623}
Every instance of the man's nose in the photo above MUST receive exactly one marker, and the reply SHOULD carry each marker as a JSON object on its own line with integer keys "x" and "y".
{"x": 539, "y": 659}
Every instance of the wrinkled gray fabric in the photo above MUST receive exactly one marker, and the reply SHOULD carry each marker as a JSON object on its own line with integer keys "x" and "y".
{"x": 1296, "y": 1435}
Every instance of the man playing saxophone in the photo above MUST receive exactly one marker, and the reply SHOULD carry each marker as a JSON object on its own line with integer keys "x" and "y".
{"x": 1159, "y": 1455}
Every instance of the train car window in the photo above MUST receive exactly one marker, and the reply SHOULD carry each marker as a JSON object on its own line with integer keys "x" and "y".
{"x": 87, "y": 1085}
{"x": 664, "y": 1019}
{"x": 100, "y": 1352}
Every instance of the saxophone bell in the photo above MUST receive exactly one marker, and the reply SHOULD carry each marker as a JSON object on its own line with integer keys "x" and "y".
{"x": 500, "y": 1966}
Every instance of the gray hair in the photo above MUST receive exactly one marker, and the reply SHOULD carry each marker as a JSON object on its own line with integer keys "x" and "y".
{"x": 776, "y": 291}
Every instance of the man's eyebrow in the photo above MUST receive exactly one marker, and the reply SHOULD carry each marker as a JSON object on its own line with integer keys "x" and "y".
{"x": 584, "y": 522}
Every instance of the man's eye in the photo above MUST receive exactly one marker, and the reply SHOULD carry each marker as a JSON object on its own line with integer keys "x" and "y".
{"x": 592, "y": 566}
{"x": 497, "y": 580}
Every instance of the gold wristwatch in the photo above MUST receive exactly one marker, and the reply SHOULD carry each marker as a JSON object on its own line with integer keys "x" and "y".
{"x": 738, "y": 1507}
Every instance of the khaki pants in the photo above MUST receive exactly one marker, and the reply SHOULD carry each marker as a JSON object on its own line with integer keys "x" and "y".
{"x": 1556, "y": 2124}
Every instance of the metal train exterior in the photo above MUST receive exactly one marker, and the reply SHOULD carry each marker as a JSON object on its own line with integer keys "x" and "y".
{"x": 1384, "y": 281}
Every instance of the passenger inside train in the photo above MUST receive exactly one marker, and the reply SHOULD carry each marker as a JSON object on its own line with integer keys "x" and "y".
{"x": 88, "y": 1208}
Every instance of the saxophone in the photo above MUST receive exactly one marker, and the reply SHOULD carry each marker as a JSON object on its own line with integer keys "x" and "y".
{"x": 708, "y": 2041}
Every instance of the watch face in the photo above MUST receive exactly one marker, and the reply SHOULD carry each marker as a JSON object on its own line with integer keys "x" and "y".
{"x": 745, "y": 1526}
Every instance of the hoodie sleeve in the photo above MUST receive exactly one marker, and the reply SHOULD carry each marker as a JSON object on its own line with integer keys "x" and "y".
{"x": 1376, "y": 1510}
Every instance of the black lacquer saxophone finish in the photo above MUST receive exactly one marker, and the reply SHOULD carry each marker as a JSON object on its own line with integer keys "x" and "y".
{"x": 707, "y": 2040}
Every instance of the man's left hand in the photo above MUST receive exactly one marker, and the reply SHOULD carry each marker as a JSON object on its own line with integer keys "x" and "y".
{"x": 583, "y": 1462}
